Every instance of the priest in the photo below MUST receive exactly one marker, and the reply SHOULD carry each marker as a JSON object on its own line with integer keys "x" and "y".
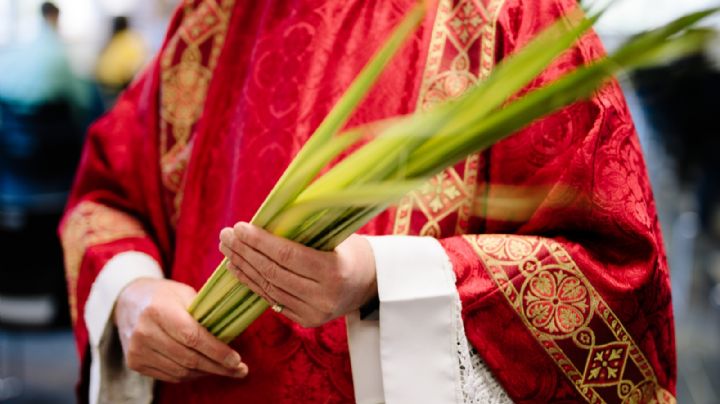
{"x": 452, "y": 295}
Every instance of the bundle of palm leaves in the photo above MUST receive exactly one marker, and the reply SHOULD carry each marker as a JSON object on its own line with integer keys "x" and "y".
{"x": 321, "y": 211}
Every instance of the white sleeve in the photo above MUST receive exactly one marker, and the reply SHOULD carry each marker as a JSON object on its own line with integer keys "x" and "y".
{"x": 111, "y": 381}
{"x": 417, "y": 352}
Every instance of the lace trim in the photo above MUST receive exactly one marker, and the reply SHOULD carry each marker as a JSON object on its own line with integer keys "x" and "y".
{"x": 477, "y": 385}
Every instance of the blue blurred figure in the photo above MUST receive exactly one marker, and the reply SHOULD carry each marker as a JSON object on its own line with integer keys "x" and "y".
{"x": 44, "y": 111}
{"x": 39, "y": 72}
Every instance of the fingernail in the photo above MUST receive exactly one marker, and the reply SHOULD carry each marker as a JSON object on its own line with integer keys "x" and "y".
{"x": 225, "y": 233}
{"x": 241, "y": 372}
{"x": 232, "y": 361}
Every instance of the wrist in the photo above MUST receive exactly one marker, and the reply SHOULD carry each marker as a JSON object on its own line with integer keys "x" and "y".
{"x": 359, "y": 261}
{"x": 118, "y": 272}
{"x": 370, "y": 297}
{"x": 130, "y": 295}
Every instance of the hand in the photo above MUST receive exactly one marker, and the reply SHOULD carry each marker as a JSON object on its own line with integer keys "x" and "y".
{"x": 161, "y": 339}
{"x": 312, "y": 286}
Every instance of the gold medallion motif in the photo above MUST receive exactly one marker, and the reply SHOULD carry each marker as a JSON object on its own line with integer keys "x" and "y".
{"x": 569, "y": 318}
{"x": 556, "y": 302}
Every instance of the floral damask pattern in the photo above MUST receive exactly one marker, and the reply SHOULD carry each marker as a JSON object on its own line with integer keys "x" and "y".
{"x": 566, "y": 315}
{"x": 629, "y": 193}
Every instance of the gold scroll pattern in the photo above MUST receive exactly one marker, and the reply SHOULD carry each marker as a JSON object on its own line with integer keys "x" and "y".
{"x": 569, "y": 319}
{"x": 460, "y": 27}
{"x": 88, "y": 225}
{"x": 187, "y": 64}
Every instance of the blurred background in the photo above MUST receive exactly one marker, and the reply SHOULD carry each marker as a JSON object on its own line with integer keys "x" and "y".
{"x": 63, "y": 64}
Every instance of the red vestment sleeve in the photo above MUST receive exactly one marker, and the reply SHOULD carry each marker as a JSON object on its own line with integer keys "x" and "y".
{"x": 565, "y": 286}
{"x": 118, "y": 200}
{"x": 107, "y": 212}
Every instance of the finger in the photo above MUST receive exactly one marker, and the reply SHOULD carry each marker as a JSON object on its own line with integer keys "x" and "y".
{"x": 301, "y": 319}
{"x": 155, "y": 365}
{"x": 303, "y": 260}
{"x": 246, "y": 273}
{"x": 271, "y": 293}
{"x": 181, "y": 327}
{"x": 259, "y": 291}
{"x": 293, "y": 316}
{"x": 188, "y": 359}
{"x": 249, "y": 282}
{"x": 278, "y": 284}
{"x": 158, "y": 374}
{"x": 267, "y": 272}
{"x": 286, "y": 311}
{"x": 164, "y": 364}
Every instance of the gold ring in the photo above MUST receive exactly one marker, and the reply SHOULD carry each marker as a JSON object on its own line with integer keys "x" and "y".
{"x": 277, "y": 308}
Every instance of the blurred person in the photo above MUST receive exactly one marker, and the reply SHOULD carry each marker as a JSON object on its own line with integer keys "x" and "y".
{"x": 571, "y": 304}
{"x": 51, "y": 14}
{"x": 122, "y": 57}
{"x": 38, "y": 73}
{"x": 44, "y": 110}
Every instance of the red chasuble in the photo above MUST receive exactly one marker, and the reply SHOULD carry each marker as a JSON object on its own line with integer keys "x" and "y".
{"x": 566, "y": 295}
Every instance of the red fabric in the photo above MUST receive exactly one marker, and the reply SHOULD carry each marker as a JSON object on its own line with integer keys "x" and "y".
{"x": 281, "y": 67}
{"x": 119, "y": 194}
{"x": 112, "y": 182}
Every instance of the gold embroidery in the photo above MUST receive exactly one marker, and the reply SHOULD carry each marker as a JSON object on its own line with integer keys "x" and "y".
{"x": 183, "y": 92}
{"x": 185, "y": 83}
{"x": 606, "y": 364}
{"x": 439, "y": 197}
{"x": 556, "y": 302}
{"x": 569, "y": 319}
{"x": 88, "y": 225}
{"x": 460, "y": 27}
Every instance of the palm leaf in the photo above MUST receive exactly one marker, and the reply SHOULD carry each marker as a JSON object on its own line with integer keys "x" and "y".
{"x": 409, "y": 150}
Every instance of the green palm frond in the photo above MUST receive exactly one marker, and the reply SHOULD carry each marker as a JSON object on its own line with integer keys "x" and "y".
{"x": 403, "y": 152}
